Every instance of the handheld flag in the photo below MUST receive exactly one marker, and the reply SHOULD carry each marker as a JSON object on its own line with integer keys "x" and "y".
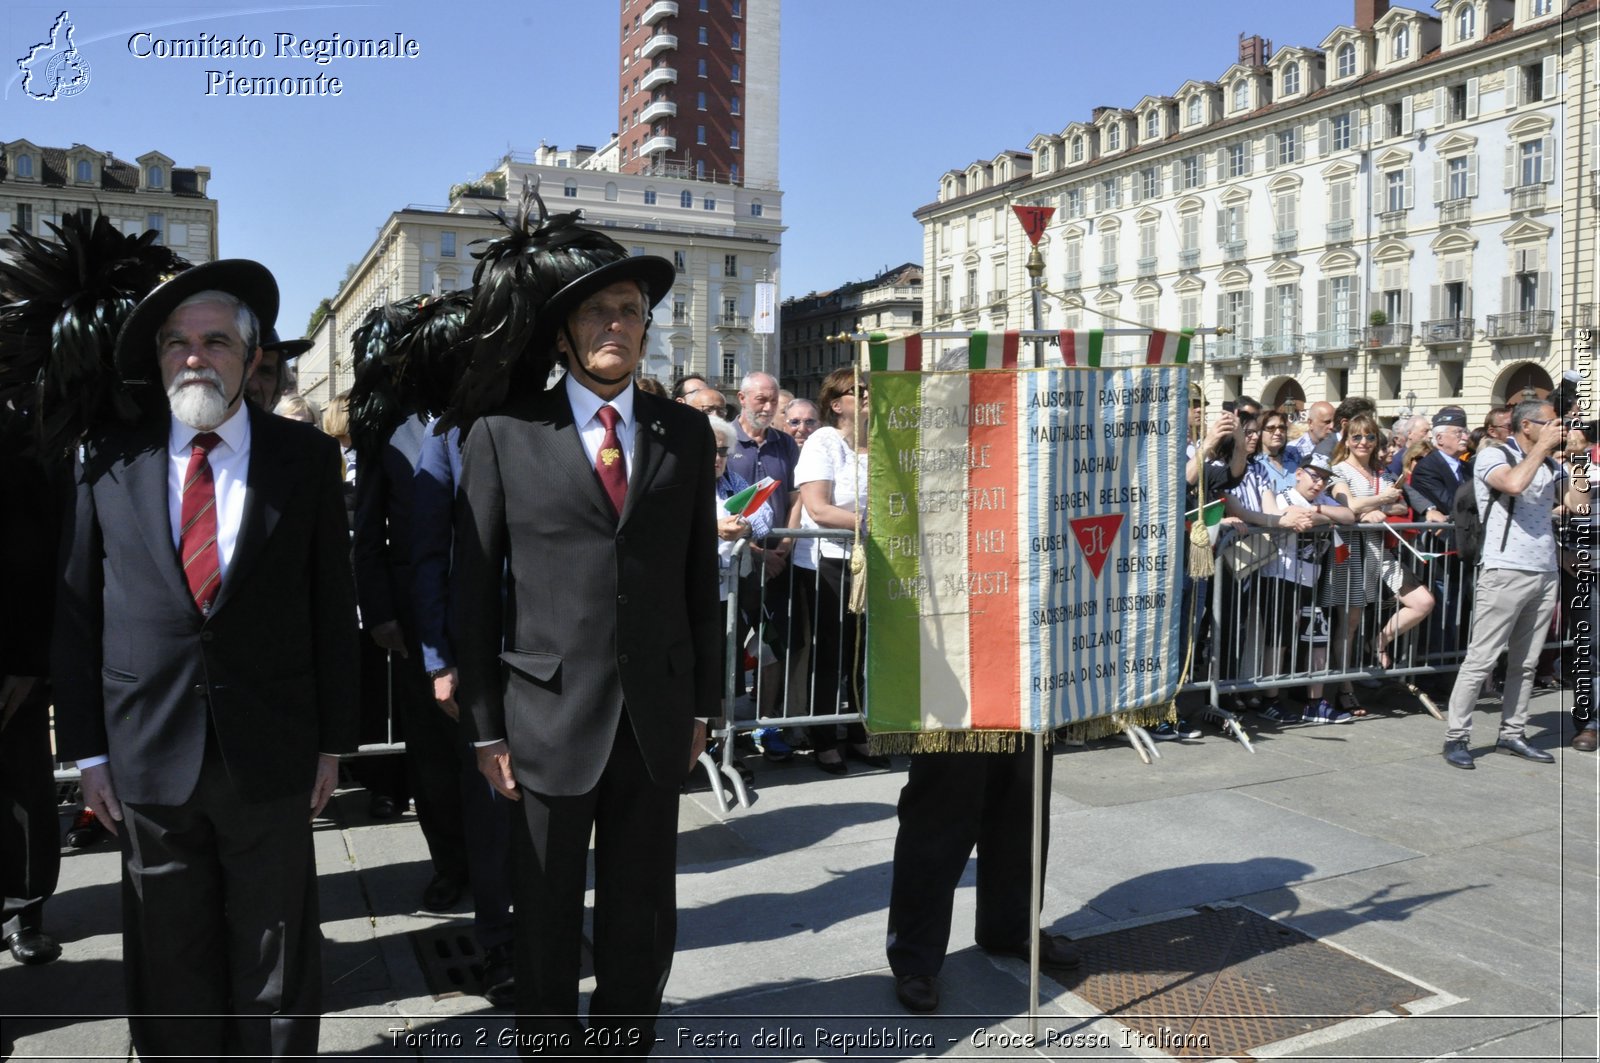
{"x": 752, "y": 498}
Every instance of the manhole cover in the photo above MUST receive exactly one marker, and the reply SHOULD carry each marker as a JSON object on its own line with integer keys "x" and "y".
{"x": 452, "y": 965}
{"x": 1228, "y": 980}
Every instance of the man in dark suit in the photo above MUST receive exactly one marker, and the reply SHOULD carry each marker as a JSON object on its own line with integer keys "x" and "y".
{"x": 593, "y": 505}
{"x": 1442, "y": 470}
{"x": 205, "y": 663}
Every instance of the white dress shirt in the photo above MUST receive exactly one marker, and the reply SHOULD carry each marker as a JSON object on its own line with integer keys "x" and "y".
{"x": 585, "y": 414}
{"x": 230, "y": 468}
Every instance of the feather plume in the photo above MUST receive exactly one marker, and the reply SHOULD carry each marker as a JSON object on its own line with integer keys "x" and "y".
{"x": 62, "y": 303}
{"x": 516, "y": 274}
{"x": 376, "y": 405}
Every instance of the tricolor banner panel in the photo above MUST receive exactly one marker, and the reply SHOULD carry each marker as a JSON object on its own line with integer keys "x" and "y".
{"x": 1025, "y": 558}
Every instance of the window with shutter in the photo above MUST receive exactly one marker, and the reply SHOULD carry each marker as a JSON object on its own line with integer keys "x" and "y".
{"x": 1514, "y": 76}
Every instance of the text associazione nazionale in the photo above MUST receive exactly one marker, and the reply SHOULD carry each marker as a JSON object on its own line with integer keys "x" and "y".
{"x": 320, "y": 51}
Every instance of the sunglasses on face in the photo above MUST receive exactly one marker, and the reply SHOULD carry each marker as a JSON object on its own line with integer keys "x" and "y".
{"x": 796, "y": 422}
{"x": 1363, "y": 438}
{"x": 721, "y": 452}
{"x": 1273, "y": 428}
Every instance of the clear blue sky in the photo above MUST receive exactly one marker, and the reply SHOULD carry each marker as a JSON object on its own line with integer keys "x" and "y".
{"x": 879, "y": 98}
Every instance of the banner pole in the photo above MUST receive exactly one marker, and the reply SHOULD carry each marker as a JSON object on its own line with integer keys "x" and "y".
{"x": 1035, "y": 887}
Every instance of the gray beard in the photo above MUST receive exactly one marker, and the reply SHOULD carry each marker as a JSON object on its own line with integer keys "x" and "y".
{"x": 201, "y": 408}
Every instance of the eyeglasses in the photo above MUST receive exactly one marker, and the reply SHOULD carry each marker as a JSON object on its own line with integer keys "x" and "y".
{"x": 1317, "y": 474}
{"x": 1252, "y": 431}
{"x": 1363, "y": 438}
{"x": 1541, "y": 424}
{"x": 796, "y": 422}
{"x": 1273, "y": 428}
{"x": 722, "y": 452}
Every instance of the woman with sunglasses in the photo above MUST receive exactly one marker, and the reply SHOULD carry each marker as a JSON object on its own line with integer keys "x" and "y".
{"x": 1265, "y": 618}
{"x": 1353, "y": 584}
{"x": 831, "y": 477}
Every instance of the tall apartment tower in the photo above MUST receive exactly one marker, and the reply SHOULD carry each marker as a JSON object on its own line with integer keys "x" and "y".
{"x": 698, "y": 94}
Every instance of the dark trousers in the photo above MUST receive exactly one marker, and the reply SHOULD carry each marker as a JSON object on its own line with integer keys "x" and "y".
{"x": 951, "y": 803}
{"x": 836, "y": 653}
{"x": 635, "y": 826}
{"x": 222, "y": 951}
{"x": 30, "y": 832}
{"x": 489, "y": 821}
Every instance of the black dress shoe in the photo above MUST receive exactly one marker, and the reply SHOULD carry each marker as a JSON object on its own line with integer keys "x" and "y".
{"x": 917, "y": 992}
{"x": 835, "y": 767}
{"x": 1455, "y": 754}
{"x": 1522, "y": 749}
{"x": 872, "y": 760}
{"x": 442, "y": 893}
{"x": 1054, "y": 951}
{"x": 499, "y": 977}
{"x": 32, "y": 947}
{"x": 382, "y": 806}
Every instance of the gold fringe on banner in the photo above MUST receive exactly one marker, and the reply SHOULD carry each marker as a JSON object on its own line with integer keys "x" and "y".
{"x": 901, "y": 742}
{"x": 1116, "y": 723}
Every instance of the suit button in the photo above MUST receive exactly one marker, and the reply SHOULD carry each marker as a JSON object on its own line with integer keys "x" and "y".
{"x": 622, "y": 599}
{"x": 621, "y": 538}
{"x": 199, "y": 688}
{"x": 622, "y": 658}
{"x": 207, "y": 636}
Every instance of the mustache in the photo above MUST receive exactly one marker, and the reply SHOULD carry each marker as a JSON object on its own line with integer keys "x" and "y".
{"x": 189, "y": 376}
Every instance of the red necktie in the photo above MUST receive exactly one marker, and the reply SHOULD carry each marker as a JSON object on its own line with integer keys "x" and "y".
{"x": 197, "y": 539}
{"x": 609, "y": 463}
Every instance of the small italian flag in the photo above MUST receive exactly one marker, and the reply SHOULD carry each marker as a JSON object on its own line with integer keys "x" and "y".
{"x": 895, "y": 356}
{"x": 993, "y": 350}
{"x": 1168, "y": 348}
{"x": 751, "y": 498}
{"x": 1211, "y": 513}
{"x": 1082, "y": 347}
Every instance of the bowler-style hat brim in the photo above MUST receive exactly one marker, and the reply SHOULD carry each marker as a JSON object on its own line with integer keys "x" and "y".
{"x": 653, "y": 271}
{"x": 248, "y": 281}
{"x": 285, "y": 348}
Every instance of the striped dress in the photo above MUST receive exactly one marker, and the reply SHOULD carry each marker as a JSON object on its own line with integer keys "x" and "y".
{"x": 1355, "y": 581}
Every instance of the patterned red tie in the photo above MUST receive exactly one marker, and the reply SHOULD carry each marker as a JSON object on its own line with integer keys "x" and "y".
{"x": 197, "y": 539}
{"x": 609, "y": 463}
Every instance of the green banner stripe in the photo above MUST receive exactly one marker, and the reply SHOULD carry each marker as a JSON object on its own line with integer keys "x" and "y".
{"x": 894, "y": 639}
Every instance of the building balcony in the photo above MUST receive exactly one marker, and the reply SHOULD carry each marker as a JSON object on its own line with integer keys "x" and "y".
{"x": 1231, "y": 348}
{"x": 1333, "y": 339}
{"x": 1286, "y": 241}
{"x": 1524, "y": 324}
{"x": 658, "y": 109}
{"x": 661, "y": 75}
{"x": 1392, "y": 223}
{"x": 1455, "y": 212}
{"x": 1071, "y": 282}
{"x": 942, "y": 308}
{"x": 1108, "y": 274}
{"x": 997, "y": 298}
{"x": 1449, "y": 331}
{"x": 661, "y": 42}
{"x": 1189, "y": 258}
{"x": 733, "y": 321}
{"x": 969, "y": 303}
{"x": 1388, "y": 337}
{"x": 680, "y": 317}
{"x": 1145, "y": 269}
{"x": 1528, "y": 197}
{"x": 1233, "y": 251}
{"x": 658, "y": 143}
{"x": 1340, "y": 232}
{"x": 1288, "y": 345}
{"x": 659, "y": 10}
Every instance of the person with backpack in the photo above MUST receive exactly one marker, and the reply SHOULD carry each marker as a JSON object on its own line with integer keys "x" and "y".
{"x": 1517, "y": 488}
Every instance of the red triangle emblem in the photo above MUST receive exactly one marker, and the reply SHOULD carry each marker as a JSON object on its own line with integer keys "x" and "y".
{"x": 1095, "y": 536}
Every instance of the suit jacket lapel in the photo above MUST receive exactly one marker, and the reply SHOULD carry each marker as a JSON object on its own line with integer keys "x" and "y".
{"x": 648, "y": 451}
{"x": 564, "y": 447}
{"x": 269, "y": 484}
{"x": 147, "y": 490}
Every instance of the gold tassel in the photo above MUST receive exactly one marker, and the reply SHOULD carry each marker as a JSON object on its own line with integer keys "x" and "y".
{"x": 858, "y": 580}
{"x": 1202, "y": 565}
{"x": 896, "y": 743}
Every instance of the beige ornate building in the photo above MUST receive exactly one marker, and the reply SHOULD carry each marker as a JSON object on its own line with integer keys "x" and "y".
{"x": 723, "y": 238}
{"x": 1405, "y": 210}
{"x": 39, "y": 185}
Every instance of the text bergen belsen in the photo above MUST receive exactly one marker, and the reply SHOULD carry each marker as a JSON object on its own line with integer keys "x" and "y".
{"x": 320, "y": 50}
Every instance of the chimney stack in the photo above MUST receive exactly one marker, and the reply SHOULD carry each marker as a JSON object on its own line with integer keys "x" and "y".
{"x": 1368, "y": 12}
{"x": 1254, "y": 50}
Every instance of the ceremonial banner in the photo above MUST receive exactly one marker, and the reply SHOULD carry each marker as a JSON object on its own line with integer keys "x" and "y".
{"x": 1024, "y": 561}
